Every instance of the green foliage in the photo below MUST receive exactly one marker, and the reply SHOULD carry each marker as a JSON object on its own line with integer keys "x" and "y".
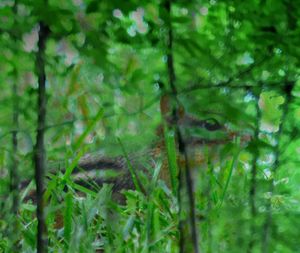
{"x": 104, "y": 60}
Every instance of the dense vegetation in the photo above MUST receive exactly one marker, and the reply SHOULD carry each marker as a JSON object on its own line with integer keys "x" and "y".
{"x": 119, "y": 78}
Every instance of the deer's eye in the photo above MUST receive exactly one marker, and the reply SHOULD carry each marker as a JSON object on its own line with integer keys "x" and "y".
{"x": 212, "y": 124}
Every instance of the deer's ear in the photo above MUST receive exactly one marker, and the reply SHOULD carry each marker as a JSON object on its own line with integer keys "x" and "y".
{"x": 180, "y": 112}
{"x": 165, "y": 106}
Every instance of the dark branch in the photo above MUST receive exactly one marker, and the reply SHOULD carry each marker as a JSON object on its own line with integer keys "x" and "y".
{"x": 39, "y": 158}
{"x": 14, "y": 169}
{"x": 253, "y": 182}
{"x": 181, "y": 143}
{"x": 287, "y": 89}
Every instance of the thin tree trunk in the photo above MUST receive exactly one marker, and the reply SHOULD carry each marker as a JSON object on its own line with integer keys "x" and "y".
{"x": 181, "y": 144}
{"x": 14, "y": 174}
{"x": 210, "y": 170}
{"x": 267, "y": 228}
{"x": 39, "y": 157}
{"x": 253, "y": 182}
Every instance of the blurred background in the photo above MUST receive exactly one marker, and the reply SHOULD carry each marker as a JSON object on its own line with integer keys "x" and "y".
{"x": 235, "y": 62}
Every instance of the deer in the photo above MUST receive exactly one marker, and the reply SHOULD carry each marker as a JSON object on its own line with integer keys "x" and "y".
{"x": 91, "y": 169}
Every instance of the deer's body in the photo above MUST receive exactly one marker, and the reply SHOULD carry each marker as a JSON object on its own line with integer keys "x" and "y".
{"x": 91, "y": 169}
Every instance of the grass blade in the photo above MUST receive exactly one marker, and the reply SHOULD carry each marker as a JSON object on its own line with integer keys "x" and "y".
{"x": 233, "y": 163}
{"x": 169, "y": 136}
{"x": 131, "y": 169}
{"x": 68, "y": 220}
{"x": 89, "y": 128}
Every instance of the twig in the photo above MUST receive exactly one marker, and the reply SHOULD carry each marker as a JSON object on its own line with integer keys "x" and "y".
{"x": 234, "y": 77}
